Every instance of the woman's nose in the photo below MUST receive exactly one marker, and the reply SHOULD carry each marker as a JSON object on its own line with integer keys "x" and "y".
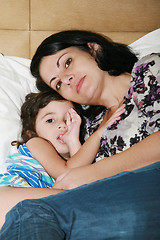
{"x": 67, "y": 79}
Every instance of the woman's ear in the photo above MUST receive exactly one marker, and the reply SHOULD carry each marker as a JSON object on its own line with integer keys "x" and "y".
{"x": 94, "y": 47}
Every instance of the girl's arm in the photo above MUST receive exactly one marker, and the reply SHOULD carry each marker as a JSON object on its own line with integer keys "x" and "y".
{"x": 48, "y": 157}
{"x": 139, "y": 155}
{"x": 71, "y": 137}
{"x": 89, "y": 149}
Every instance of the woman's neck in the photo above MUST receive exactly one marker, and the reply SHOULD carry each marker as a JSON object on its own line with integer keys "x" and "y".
{"x": 114, "y": 90}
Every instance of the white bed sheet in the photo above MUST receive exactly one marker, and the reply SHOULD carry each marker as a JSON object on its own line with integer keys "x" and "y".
{"x": 15, "y": 82}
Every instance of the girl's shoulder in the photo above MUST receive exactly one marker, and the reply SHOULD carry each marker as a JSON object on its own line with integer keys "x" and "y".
{"x": 22, "y": 149}
{"x": 35, "y": 143}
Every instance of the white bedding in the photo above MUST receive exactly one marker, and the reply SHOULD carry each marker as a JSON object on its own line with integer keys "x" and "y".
{"x": 16, "y": 81}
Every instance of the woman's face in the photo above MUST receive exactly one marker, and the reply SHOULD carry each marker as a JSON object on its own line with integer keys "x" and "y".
{"x": 51, "y": 125}
{"x": 74, "y": 74}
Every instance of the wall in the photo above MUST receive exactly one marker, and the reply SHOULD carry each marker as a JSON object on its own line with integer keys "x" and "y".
{"x": 25, "y": 23}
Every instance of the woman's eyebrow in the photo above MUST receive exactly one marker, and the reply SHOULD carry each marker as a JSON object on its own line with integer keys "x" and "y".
{"x": 60, "y": 59}
{"x": 52, "y": 79}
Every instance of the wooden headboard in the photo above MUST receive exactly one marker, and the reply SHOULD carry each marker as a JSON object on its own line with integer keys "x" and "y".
{"x": 25, "y": 23}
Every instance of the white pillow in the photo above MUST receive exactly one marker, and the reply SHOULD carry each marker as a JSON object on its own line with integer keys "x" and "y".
{"x": 16, "y": 81}
{"x": 150, "y": 43}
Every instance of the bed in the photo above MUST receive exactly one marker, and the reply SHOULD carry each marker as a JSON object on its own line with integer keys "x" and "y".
{"x": 24, "y": 24}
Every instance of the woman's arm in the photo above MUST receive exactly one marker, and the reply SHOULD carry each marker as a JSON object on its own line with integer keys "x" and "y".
{"x": 141, "y": 154}
{"x": 10, "y": 196}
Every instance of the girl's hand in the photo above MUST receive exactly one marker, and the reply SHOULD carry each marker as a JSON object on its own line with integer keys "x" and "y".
{"x": 73, "y": 123}
{"x": 115, "y": 117}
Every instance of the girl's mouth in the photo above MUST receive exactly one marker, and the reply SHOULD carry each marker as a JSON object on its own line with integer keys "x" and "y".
{"x": 79, "y": 84}
{"x": 60, "y": 138}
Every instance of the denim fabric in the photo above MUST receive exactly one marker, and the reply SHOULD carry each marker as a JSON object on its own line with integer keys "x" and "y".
{"x": 122, "y": 207}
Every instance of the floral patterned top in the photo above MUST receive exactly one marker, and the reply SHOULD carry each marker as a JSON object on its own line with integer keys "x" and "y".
{"x": 142, "y": 116}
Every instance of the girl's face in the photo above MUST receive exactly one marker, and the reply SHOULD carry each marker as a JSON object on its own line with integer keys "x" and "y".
{"x": 74, "y": 74}
{"x": 51, "y": 125}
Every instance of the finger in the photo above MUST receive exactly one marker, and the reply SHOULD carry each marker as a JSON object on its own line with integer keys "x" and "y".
{"x": 117, "y": 114}
{"x": 115, "y": 117}
{"x": 74, "y": 115}
{"x": 68, "y": 120}
{"x": 119, "y": 111}
{"x": 110, "y": 122}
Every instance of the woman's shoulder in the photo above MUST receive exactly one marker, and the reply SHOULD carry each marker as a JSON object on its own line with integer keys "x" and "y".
{"x": 145, "y": 78}
{"x": 150, "y": 56}
{"x": 146, "y": 68}
{"x": 147, "y": 61}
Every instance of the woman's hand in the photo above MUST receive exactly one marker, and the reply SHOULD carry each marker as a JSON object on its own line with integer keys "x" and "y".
{"x": 73, "y": 178}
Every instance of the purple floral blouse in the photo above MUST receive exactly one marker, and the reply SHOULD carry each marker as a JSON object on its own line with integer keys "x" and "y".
{"x": 142, "y": 116}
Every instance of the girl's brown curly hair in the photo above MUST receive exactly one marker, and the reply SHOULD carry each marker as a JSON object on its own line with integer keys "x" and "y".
{"x": 30, "y": 108}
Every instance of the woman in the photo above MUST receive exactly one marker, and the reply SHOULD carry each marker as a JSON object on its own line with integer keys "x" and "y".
{"x": 88, "y": 69}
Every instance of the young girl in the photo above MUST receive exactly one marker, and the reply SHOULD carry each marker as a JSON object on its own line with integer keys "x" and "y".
{"x": 50, "y": 142}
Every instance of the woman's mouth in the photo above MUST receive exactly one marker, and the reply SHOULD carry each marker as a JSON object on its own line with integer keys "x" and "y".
{"x": 79, "y": 84}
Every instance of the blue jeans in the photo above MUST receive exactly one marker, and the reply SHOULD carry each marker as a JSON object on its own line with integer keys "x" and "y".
{"x": 125, "y": 206}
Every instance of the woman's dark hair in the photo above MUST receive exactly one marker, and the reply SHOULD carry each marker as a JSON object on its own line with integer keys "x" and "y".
{"x": 115, "y": 58}
{"x": 30, "y": 108}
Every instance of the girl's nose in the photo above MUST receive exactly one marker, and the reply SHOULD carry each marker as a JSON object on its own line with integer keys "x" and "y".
{"x": 62, "y": 126}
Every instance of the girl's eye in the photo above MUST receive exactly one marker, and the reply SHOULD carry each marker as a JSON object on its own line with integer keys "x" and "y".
{"x": 50, "y": 120}
{"x": 58, "y": 85}
{"x": 68, "y": 62}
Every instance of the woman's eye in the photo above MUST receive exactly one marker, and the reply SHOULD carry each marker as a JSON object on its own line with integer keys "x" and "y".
{"x": 68, "y": 62}
{"x": 58, "y": 85}
{"x": 50, "y": 120}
